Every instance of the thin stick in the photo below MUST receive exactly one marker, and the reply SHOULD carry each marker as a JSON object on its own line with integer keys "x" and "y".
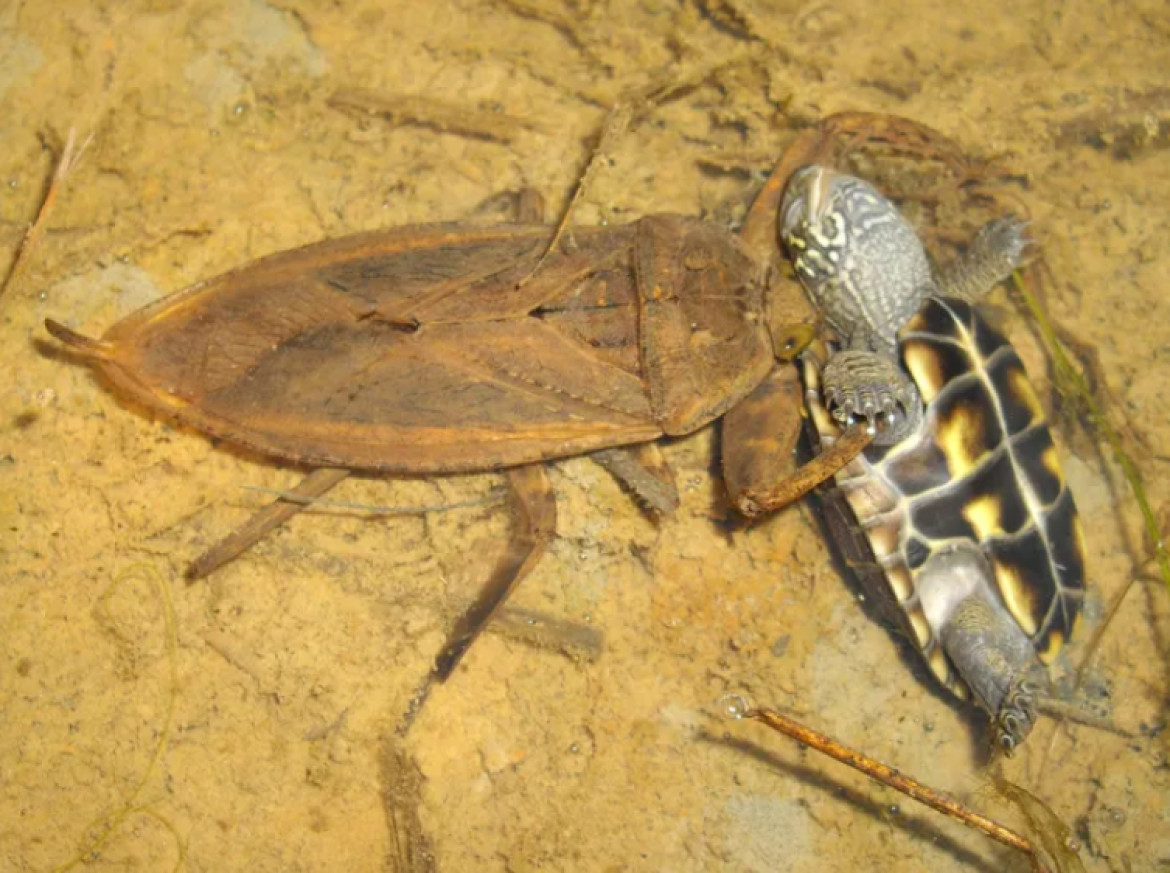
{"x": 369, "y": 508}
{"x": 617, "y": 122}
{"x": 461, "y": 119}
{"x": 629, "y": 109}
{"x": 887, "y": 775}
{"x": 107, "y": 827}
{"x": 70, "y": 155}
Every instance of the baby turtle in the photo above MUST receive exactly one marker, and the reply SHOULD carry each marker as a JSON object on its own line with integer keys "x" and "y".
{"x": 958, "y": 513}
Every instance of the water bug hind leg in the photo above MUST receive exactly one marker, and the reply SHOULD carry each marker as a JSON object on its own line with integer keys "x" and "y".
{"x": 521, "y": 206}
{"x": 535, "y": 516}
{"x": 276, "y": 513}
{"x": 870, "y": 388}
{"x": 645, "y": 471}
{"x": 530, "y": 207}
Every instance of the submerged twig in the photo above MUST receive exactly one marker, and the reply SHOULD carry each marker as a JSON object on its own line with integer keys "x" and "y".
{"x": 70, "y": 155}
{"x": 628, "y": 109}
{"x": 444, "y": 116}
{"x": 108, "y": 825}
{"x": 401, "y": 789}
{"x": 887, "y": 775}
{"x": 369, "y": 508}
{"x": 1054, "y": 835}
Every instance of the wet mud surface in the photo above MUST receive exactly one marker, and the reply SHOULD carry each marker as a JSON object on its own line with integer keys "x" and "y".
{"x": 248, "y": 722}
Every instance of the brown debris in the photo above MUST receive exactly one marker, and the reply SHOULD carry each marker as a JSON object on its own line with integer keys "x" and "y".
{"x": 443, "y": 116}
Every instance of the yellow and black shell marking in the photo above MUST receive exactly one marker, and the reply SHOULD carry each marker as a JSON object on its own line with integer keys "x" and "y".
{"x": 981, "y": 467}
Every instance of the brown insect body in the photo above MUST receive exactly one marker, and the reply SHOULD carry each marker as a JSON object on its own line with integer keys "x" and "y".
{"x": 423, "y": 350}
{"x": 459, "y": 348}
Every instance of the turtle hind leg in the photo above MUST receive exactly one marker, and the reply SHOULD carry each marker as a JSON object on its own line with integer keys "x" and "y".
{"x": 871, "y": 386}
{"x": 990, "y": 650}
{"x": 999, "y": 248}
{"x": 998, "y": 663}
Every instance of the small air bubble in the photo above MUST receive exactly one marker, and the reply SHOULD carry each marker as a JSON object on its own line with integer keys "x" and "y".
{"x": 733, "y": 706}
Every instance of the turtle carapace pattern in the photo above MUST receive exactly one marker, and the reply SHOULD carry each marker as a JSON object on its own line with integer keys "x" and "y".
{"x": 959, "y": 514}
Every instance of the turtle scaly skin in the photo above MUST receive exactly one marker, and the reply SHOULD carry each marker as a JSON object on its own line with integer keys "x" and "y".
{"x": 868, "y": 273}
{"x": 958, "y": 516}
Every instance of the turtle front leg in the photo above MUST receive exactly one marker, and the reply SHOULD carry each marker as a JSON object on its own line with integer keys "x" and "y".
{"x": 859, "y": 384}
{"x": 998, "y": 249}
{"x": 759, "y": 444}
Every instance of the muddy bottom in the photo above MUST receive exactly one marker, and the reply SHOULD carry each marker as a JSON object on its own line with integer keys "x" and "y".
{"x": 248, "y": 722}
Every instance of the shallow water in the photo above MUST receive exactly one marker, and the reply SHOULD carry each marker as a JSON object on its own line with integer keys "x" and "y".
{"x": 214, "y": 142}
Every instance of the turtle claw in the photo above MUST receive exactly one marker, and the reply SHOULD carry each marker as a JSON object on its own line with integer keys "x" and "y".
{"x": 1004, "y": 241}
{"x": 1014, "y": 721}
{"x": 866, "y": 385}
{"x": 877, "y": 408}
{"x": 1000, "y": 246}
{"x": 890, "y": 411}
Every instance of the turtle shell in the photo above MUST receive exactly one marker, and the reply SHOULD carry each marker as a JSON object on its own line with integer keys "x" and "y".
{"x": 981, "y": 467}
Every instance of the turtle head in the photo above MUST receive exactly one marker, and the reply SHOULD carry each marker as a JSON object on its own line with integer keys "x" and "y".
{"x": 811, "y": 220}
{"x": 816, "y": 223}
{"x": 857, "y": 256}
{"x": 991, "y": 652}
